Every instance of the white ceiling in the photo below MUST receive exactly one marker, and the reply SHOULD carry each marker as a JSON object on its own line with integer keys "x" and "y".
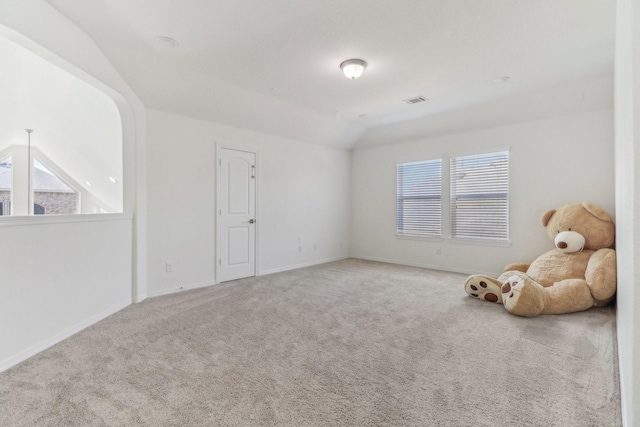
{"x": 273, "y": 65}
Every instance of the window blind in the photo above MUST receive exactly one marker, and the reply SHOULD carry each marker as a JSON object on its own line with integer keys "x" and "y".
{"x": 480, "y": 196}
{"x": 419, "y": 198}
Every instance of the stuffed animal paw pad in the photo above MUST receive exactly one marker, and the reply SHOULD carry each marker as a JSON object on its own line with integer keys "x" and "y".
{"x": 511, "y": 290}
{"x": 484, "y": 288}
{"x": 522, "y": 297}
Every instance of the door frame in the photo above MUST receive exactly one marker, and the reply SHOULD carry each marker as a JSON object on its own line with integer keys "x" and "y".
{"x": 250, "y": 148}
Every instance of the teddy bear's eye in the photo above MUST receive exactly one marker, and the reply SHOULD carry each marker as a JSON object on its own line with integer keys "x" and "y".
{"x": 569, "y": 229}
{"x": 558, "y": 231}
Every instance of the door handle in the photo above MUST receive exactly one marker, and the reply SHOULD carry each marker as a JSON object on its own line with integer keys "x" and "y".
{"x": 251, "y": 221}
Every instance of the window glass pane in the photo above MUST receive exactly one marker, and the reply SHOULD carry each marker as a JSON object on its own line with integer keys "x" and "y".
{"x": 6, "y": 185}
{"x": 480, "y": 196}
{"x": 419, "y": 196}
{"x": 38, "y": 209}
{"x": 51, "y": 195}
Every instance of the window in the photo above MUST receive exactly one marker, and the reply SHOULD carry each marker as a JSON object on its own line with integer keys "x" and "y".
{"x": 480, "y": 196}
{"x": 419, "y": 198}
{"x": 6, "y": 186}
{"x": 51, "y": 195}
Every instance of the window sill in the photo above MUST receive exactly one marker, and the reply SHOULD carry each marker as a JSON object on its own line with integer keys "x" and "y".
{"x": 12, "y": 221}
{"x": 480, "y": 242}
{"x": 419, "y": 237}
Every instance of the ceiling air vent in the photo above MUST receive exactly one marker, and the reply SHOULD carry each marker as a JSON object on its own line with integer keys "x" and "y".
{"x": 415, "y": 100}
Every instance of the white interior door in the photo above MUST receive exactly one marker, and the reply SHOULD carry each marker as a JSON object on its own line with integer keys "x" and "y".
{"x": 236, "y": 214}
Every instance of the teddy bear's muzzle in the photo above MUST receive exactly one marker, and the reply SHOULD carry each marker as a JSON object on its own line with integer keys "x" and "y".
{"x": 570, "y": 241}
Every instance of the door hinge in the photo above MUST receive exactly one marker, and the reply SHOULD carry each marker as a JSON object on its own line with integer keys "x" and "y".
{"x": 253, "y": 171}
{"x": 219, "y": 261}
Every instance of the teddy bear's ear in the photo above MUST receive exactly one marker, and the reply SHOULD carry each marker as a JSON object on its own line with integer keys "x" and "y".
{"x": 597, "y": 211}
{"x": 547, "y": 216}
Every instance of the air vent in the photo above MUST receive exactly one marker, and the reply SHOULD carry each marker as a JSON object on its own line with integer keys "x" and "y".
{"x": 415, "y": 100}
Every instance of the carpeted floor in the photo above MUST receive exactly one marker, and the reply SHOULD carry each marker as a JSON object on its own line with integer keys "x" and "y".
{"x": 350, "y": 343}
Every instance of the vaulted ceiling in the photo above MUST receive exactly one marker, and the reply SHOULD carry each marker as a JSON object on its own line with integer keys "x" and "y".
{"x": 273, "y": 66}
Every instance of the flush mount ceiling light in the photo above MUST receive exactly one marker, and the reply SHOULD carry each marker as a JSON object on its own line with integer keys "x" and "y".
{"x": 353, "y": 68}
{"x": 167, "y": 41}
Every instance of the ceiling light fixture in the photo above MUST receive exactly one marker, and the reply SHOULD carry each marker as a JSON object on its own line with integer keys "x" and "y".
{"x": 167, "y": 42}
{"x": 353, "y": 68}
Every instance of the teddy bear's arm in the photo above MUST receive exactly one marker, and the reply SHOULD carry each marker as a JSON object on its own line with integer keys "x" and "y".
{"x": 517, "y": 267}
{"x": 601, "y": 274}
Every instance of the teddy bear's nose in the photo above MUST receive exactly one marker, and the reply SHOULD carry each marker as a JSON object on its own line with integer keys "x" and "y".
{"x": 562, "y": 245}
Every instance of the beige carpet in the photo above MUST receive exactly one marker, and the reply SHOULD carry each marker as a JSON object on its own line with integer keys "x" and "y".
{"x": 350, "y": 343}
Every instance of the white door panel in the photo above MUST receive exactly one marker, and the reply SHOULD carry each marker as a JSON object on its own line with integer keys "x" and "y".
{"x": 238, "y": 171}
{"x": 238, "y": 249}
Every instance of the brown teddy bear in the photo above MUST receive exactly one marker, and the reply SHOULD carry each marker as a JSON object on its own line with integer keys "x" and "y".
{"x": 580, "y": 273}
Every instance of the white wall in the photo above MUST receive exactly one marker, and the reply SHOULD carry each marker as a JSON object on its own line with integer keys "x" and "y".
{"x": 59, "y": 275}
{"x": 304, "y": 196}
{"x": 553, "y": 162}
{"x": 303, "y": 190}
{"x": 627, "y": 129}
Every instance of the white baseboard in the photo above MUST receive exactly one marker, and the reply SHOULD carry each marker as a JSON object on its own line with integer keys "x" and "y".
{"x": 179, "y": 289}
{"x": 626, "y": 407}
{"x": 302, "y": 265}
{"x": 140, "y": 298}
{"x": 429, "y": 266}
{"x": 32, "y": 351}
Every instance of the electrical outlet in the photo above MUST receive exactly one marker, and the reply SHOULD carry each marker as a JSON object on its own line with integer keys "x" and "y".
{"x": 169, "y": 267}
{"x": 438, "y": 250}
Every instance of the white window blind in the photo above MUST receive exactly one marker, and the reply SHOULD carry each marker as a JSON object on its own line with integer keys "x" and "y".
{"x": 480, "y": 196}
{"x": 419, "y": 198}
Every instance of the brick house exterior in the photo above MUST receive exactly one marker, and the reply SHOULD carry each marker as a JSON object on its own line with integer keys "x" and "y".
{"x": 51, "y": 196}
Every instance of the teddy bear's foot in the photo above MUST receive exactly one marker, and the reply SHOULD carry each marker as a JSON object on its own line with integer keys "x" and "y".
{"x": 484, "y": 288}
{"x": 522, "y": 296}
{"x": 601, "y": 275}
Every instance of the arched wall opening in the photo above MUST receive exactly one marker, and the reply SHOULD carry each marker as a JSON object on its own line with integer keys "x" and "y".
{"x": 54, "y": 117}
